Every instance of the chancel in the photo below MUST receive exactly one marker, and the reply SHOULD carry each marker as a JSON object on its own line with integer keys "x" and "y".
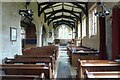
{"x": 57, "y": 40}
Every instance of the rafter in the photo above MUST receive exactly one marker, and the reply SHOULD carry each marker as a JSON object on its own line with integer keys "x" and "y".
{"x": 57, "y": 5}
{"x": 66, "y": 5}
{"x": 44, "y": 17}
{"x": 81, "y": 7}
{"x": 66, "y": 23}
{"x": 61, "y": 16}
{"x": 68, "y": 11}
{"x": 52, "y": 15}
{"x": 46, "y": 7}
{"x": 49, "y": 4}
{"x": 62, "y": 24}
{"x": 44, "y": 3}
{"x": 60, "y": 21}
{"x": 71, "y": 6}
{"x": 62, "y": 10}
{"x": 52, "y": 9}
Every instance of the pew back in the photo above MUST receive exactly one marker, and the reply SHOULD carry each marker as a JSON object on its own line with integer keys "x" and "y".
{"x": 42, "y": 51}
{"x": 81, "y": 53}
{"x": 25, "y": 60}
{"x": 20, "y": 77}
{"x": 26, "y": 69}
{"x": 96, "y": 65}
{"x": 87, "y": 55}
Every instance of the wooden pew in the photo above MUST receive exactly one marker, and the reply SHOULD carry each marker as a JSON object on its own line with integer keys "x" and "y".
{"x": 51, "y": 58}
{"x": 80, "y": 48}
{"x": 21, "y": 77}
{"x": 45, "y": 50}
{"x": 42, "y": 58}
{"x": 27, "y": 69}
{"x": 106, "y": 75}
{"x": 80, "y": 53}
{"x": 37, "y": 52}
{"x": 33, "y": 60}
{"x": 40, "y": 52}
{"x": 95, "y": 65}
{"x": 83, "y": 55}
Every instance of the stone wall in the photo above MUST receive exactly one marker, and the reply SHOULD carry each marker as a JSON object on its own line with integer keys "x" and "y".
{"x": 11, "y": 18}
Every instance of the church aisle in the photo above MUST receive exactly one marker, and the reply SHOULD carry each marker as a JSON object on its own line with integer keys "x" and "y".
{"x": 63, "y": 64}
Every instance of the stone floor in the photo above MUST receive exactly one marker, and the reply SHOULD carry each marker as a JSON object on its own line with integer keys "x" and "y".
{"x": 64, "y": 69}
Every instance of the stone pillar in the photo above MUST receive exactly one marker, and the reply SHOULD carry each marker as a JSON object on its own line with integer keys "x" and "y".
{"x": 39, "y": 37}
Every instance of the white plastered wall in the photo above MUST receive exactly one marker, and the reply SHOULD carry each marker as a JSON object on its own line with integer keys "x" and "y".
{"x": 11, "y": 18}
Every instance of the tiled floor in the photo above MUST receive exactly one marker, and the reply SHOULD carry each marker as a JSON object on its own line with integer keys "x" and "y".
{"x": 64, "y": 69}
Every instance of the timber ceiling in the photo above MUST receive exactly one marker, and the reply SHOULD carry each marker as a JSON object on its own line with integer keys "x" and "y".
{"x": 59, "y": 13}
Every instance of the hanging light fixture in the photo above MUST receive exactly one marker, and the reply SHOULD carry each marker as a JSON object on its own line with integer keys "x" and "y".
{"x": 104, "y": 11}
{"x": 26, "y": 12}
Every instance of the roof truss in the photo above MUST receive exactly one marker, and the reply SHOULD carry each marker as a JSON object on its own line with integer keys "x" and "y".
{"x": 65, "y": 23}
{"x": 52, "y": 9}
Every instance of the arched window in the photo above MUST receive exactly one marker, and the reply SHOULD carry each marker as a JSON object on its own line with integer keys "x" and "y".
{"x": 63, "y": 32}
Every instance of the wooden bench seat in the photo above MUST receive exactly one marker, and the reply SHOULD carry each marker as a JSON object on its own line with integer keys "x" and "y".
{"x": 96, "y": 65}
{"x": 37, "y": 55}
{"x": 27, "y": 69}
{"x": 24, "y": 60}
{"x": 45, "y": 50}
{"x": 22, "y": 77}
{"x": 81, "y": 53}
{"x": 50, "y": 58}
{"x": 111, "y": 75}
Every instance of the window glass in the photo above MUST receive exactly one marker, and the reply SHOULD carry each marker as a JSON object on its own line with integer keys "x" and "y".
{"x": 92, "y": 22}
{"x": 63, "y": 32}
{"x": 83, "y": 26}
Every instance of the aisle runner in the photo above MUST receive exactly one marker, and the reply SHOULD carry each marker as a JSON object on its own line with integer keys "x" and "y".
{"x": 63, "y": 68}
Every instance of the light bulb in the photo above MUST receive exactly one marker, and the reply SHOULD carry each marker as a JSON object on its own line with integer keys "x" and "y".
{"x": 29, "y": 11}
{"x": 107, "y": 12}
